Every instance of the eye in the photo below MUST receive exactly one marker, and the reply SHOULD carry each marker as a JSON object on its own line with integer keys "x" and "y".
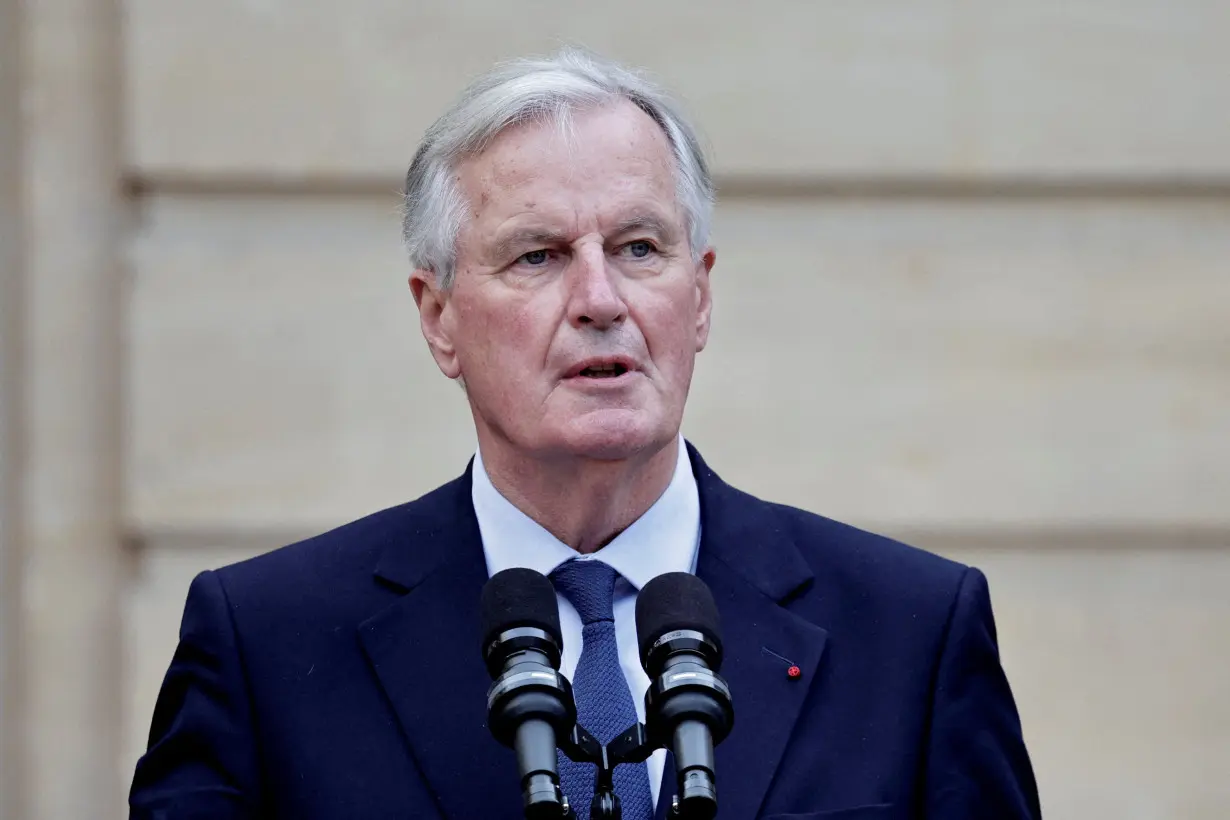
{"x": 535, "y": 258}
{"x": 639, "y": 249}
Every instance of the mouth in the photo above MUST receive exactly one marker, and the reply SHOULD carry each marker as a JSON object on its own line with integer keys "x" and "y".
{"x": 598, "y": 369}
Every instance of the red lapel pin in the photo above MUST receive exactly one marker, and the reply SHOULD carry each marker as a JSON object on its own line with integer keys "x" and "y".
{"x": 793, "y": 670}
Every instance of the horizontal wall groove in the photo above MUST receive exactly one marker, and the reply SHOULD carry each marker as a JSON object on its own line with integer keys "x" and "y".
{"x": 947, "y": 539}
{"x": 241, "y": 184}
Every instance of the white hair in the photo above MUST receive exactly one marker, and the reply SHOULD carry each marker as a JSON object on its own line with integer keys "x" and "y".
{"x": 536, "y": 89}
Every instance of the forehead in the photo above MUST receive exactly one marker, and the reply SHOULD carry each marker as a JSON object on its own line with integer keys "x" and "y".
{"x": 608, "y": 159}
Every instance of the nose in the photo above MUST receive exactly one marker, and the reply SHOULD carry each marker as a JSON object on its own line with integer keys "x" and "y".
{"x": 594, "y": 297}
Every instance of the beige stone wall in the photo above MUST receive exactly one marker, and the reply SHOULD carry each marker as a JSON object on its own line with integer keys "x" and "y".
{"x": 10, "y": 338}
{"x": 973, "y": 289}
{"x": 1097, "y": 88}
{"x": 68, "y": 722}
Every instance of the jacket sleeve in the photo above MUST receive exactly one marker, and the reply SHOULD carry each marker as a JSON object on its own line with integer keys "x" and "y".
{"x": 201, "y": 761}
{"x": 977, "y": 765}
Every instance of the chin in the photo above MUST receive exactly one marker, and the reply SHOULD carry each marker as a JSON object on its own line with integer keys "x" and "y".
{"x": 615, "y": 436}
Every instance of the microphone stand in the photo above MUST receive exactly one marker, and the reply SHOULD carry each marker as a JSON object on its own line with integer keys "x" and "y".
{"x": 633, "y": 745}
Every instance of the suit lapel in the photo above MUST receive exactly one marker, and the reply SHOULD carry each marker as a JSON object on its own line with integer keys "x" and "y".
{"x": 424, "y": 649}
{"x": 751, "y": 566}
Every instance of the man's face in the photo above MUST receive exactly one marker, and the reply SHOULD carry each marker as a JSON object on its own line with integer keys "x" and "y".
{"x": 577, "y": 309}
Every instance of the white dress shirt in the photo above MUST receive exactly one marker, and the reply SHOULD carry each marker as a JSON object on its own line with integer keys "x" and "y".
{"x": 665, "y": 539}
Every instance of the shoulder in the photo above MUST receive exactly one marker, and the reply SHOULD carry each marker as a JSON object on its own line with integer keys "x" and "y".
{"x": 872, "y": 573}
{"x": 894, "y": 601}
{"x": 344, "y": 549}
{"x": 837, "y": 545}
{"x": 327, "y": 570}
{"x": 847, "y": 570}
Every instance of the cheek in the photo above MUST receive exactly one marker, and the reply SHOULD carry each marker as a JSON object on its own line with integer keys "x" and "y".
{"x": 523, "y": 329}
{"x": 670, "y": 329}
{"x": 501, "y": 337}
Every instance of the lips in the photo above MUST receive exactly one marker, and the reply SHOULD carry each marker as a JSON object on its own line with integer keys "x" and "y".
{"x": 608, "y": 367}
{"x": 603, "y": 371}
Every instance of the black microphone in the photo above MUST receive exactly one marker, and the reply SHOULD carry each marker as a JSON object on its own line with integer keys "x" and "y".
{"x": 687, "y": 707}
{"x": 529, "y": 705}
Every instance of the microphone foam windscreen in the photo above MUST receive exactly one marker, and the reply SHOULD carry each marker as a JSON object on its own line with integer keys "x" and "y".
{"x": 519, "y": 597}
{"x": 675, "y": 600}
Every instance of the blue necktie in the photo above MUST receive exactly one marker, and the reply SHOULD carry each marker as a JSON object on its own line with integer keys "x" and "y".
{"x": 604, "y": 703}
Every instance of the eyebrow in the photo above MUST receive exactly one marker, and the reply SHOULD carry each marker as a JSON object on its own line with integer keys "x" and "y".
{"x": 539, "y": 237}
{"x": 647, "y": 221}
{"x": 536, "y": 237}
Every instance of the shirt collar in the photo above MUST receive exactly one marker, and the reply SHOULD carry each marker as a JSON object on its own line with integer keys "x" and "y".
{"x": 664, "y": 539}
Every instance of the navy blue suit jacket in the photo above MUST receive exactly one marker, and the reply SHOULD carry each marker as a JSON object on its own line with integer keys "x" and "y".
{"x": 340, "y": 678}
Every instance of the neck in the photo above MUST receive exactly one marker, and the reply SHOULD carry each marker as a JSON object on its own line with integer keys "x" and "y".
{"x": 584, "y": 503}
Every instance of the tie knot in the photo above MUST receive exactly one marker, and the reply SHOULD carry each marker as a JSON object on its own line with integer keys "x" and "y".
{"x": 589, "y": 586}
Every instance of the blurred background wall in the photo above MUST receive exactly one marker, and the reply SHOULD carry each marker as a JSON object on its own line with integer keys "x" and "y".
{"x": 973, "y": 290}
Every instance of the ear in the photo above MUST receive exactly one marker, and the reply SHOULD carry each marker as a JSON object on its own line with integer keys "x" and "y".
{"x": 433, "y": 303}
{"x": 704, "y": 298}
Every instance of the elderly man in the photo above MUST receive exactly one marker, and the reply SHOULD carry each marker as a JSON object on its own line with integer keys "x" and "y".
{"x": 558, "y": 221}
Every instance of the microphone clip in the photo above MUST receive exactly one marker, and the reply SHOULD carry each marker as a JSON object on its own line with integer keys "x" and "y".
{"x": 631, "y": 746}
